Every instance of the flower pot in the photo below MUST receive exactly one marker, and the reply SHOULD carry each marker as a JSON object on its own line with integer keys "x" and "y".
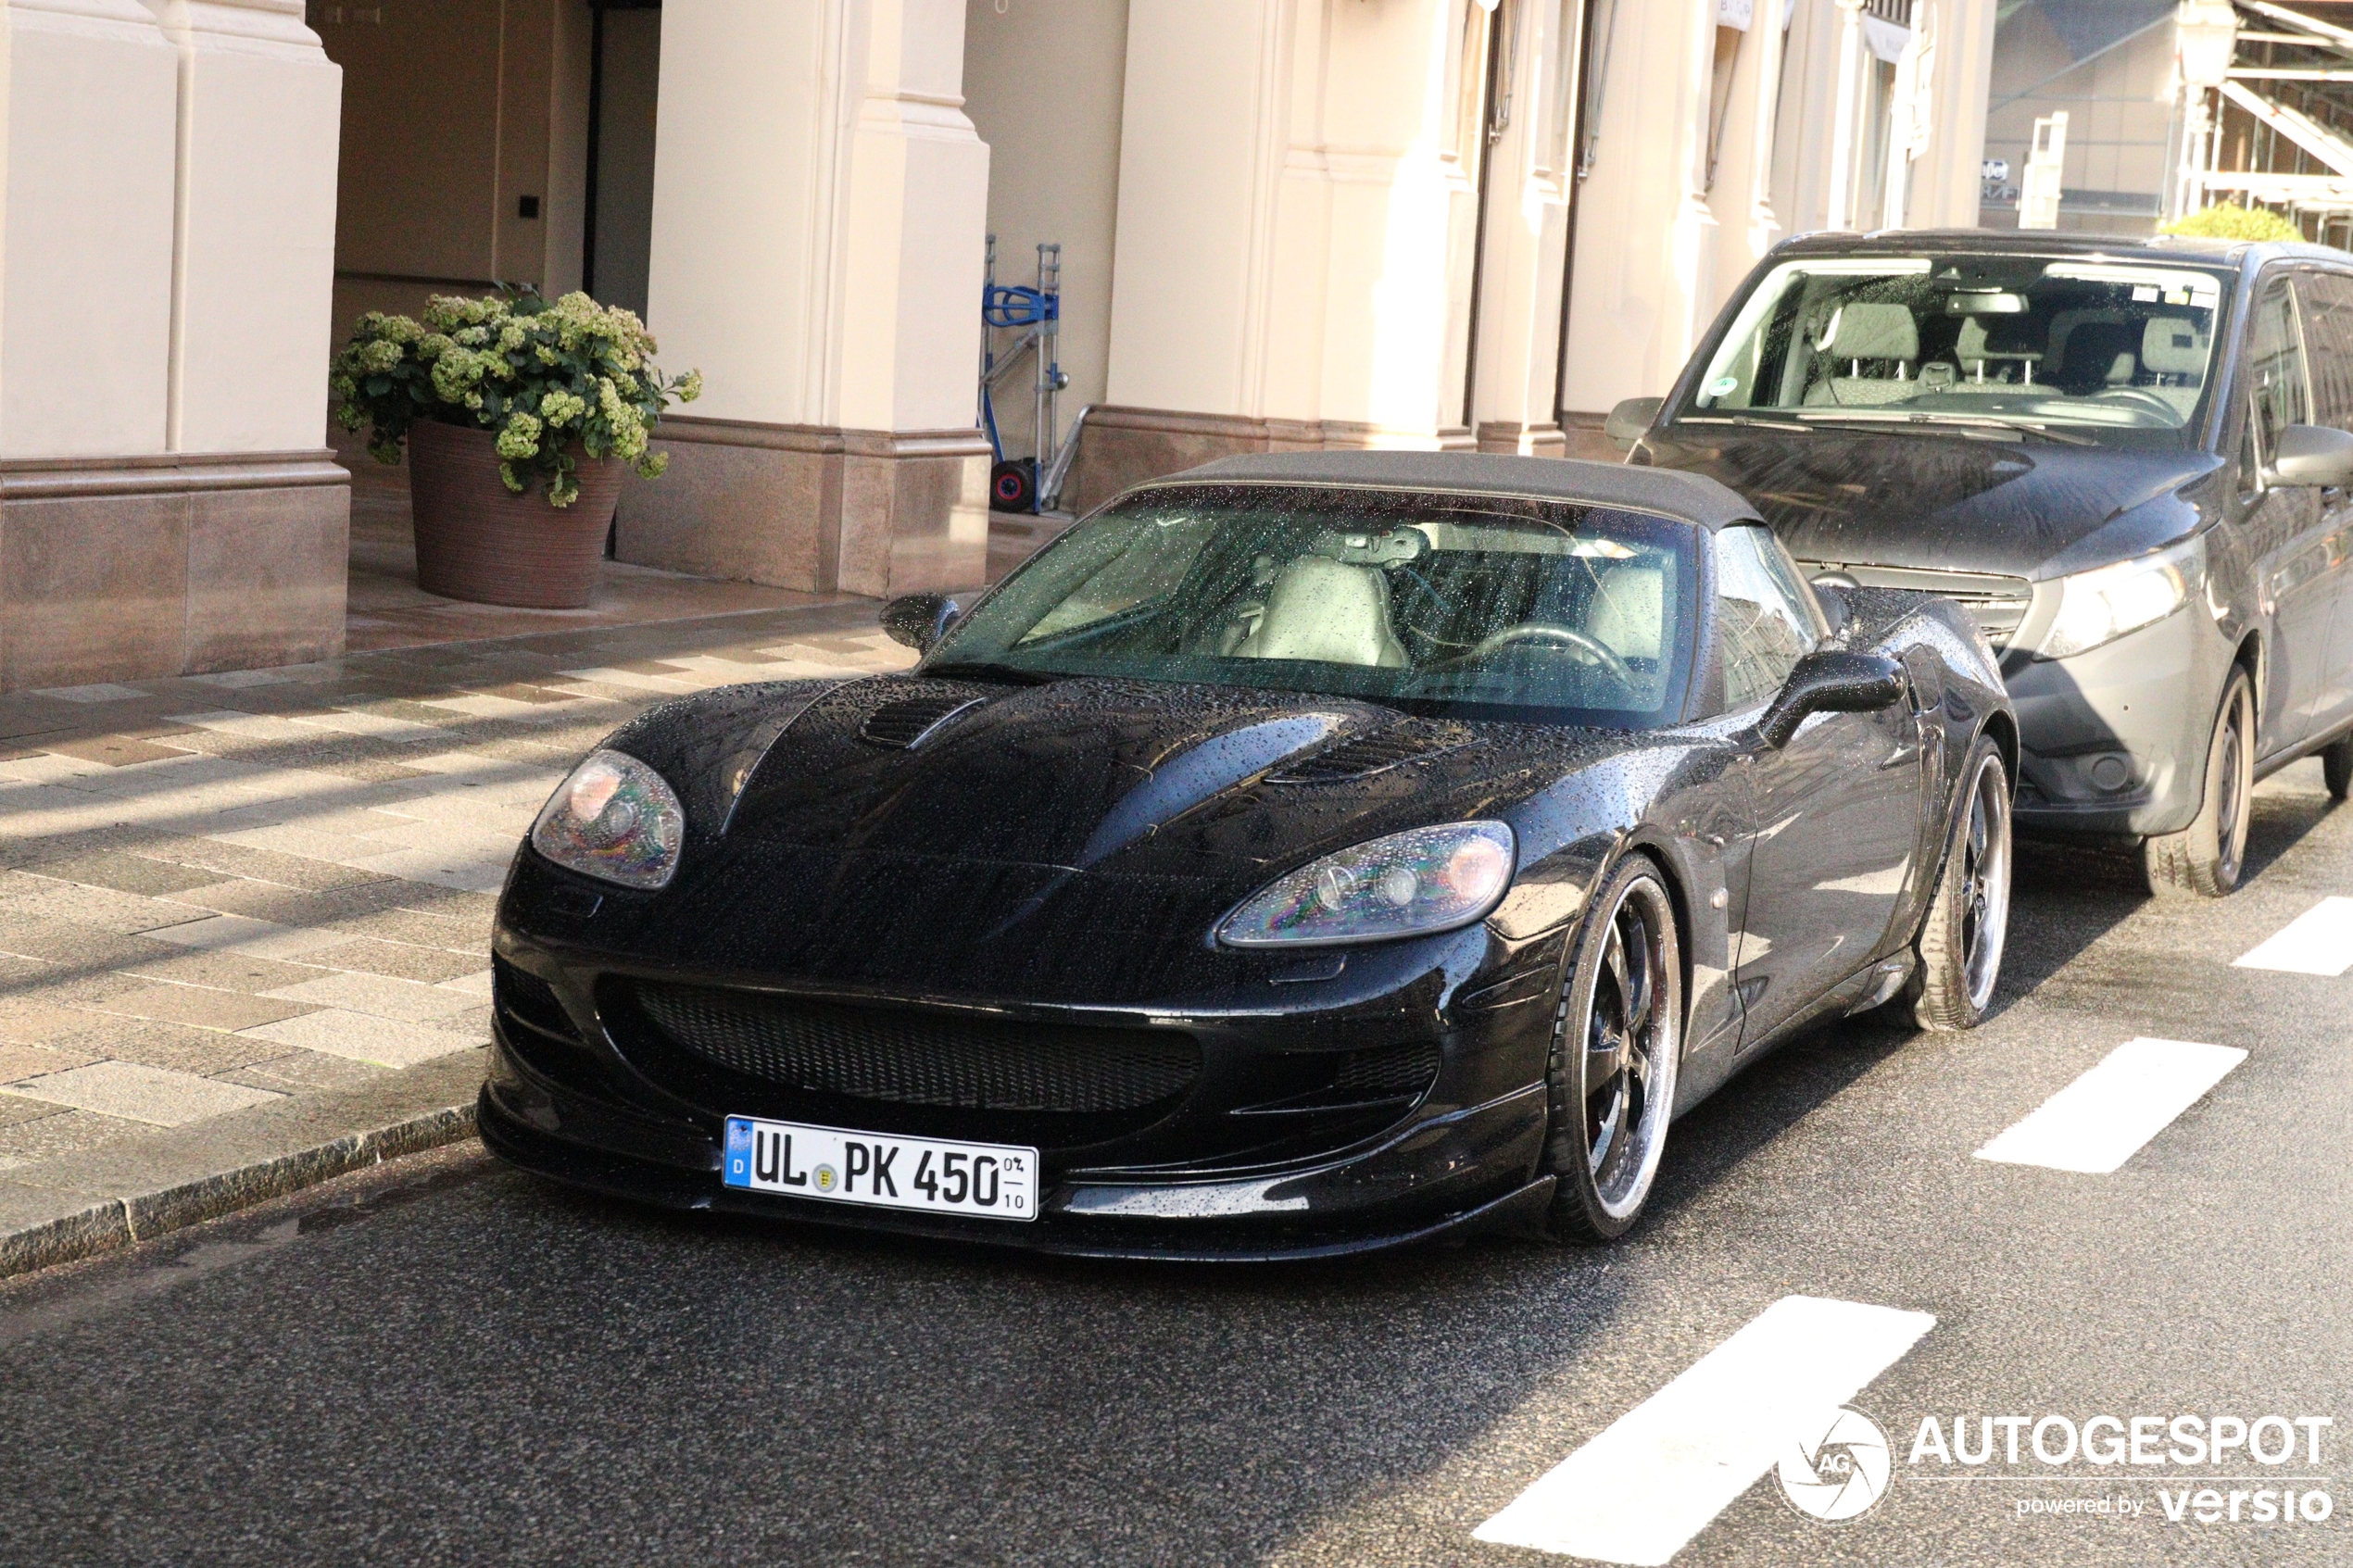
{"x": 478, "y": 541}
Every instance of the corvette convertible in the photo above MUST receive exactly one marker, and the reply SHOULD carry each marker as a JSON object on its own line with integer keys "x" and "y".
{"x": 1301, "y": 855}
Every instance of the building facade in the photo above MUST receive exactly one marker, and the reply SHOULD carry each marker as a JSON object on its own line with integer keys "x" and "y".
{"x": 1282, "y": 225}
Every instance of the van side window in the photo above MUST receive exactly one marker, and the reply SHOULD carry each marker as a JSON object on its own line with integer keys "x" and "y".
{"x": 1768, "y": 627}
{"x": 2327, "y": 301}
{"x": 2280, "y": 395}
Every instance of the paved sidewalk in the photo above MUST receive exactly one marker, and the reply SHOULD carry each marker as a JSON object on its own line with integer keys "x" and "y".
{"x": 254, "y": 908}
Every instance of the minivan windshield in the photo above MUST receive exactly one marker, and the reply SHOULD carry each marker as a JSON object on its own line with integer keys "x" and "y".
{"x": 2114, "y": 353}
{"x": 1476, "y": 605}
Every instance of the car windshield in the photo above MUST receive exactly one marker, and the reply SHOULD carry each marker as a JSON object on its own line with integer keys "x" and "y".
{"x": 2109, "y": 352}
{"x": 1472, "y": 605}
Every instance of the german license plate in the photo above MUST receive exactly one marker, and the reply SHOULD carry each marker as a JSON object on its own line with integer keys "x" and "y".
{"x": 986, "y": 1180}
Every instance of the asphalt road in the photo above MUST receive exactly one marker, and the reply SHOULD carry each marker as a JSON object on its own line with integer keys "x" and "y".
{"x": 444, "y": 1362}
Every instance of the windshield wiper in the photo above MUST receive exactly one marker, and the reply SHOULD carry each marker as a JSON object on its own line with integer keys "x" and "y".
{"x": 1741, "y": 420}
{"x": 1960, "y": 424}
{"x": 976, "y": 669}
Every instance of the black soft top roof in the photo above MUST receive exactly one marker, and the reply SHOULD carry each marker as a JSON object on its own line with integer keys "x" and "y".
{"x": 1690, "y": 496}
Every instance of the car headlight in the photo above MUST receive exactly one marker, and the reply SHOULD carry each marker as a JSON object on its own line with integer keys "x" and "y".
{"x": 1409, "y": 883}
{"x": 614, "y": 819}
{"x": 2099, "y": 606}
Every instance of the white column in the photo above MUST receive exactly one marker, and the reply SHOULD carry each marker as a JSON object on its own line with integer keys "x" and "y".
{"x": 820, "y": 207}
{"x": 253, "y": 285}
{"x": 1695, "y": 242}
{"x": 1527, "y": 227}
{"x": 87, "y": 90}
{"x": 1764, "y": 227}
{"x": 1847, "y": 110}
{"x": 1947, "y": 180}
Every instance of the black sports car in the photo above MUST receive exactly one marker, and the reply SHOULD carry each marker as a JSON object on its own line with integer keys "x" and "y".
{"x": 1301, "y": 855}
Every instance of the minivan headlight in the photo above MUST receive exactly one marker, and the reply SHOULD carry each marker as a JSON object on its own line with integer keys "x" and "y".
{"x": 1410, "y": 883}
{"x": 614, "y": 819}
{"x": 2101, "y": 606}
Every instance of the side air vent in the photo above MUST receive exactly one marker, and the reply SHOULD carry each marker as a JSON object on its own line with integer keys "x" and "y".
{"x": 906, "y": 722}
{"x": 521, "y": 998}
{"x": 1373, "y": 753}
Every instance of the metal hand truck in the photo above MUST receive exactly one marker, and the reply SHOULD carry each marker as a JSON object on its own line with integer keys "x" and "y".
{"x": 1032, "y": 483}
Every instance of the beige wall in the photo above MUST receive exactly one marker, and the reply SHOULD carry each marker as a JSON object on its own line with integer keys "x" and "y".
{"x": 85, "y": 256}
{"x": 1042, "y": 84}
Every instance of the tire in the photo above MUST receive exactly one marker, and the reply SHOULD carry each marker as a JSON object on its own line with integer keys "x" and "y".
{"x": 1012, "y": 486}
{"x": 2206, "y": 858}
{"x": 1618, "y": 1038}
{"x": 1958, "y": 952}
{"x": 2336, "y": 767}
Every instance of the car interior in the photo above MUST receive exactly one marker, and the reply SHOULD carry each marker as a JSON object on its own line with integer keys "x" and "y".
{"x": 1483, "y": 606}
{"x": 2114, "y": 347}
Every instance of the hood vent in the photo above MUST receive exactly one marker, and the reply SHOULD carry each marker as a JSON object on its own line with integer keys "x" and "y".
{"x": 1363, "y": 755}
{"x": 907, "y": 722}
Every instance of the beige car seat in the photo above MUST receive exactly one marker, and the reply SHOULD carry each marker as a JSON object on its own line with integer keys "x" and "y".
{"x": 1330, "y": 613}
{"x": 1628, "y": 611}
{"x": 1869, "y": 332}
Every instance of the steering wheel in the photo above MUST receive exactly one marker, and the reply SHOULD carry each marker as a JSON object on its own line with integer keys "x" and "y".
{"x": 1541, "y": 632}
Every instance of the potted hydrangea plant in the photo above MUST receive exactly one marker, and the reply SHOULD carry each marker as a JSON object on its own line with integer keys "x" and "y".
{"x": 518, "y": 414}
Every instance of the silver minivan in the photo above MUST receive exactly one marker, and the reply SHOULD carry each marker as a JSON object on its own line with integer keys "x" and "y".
{"x": 2130, "y": 458}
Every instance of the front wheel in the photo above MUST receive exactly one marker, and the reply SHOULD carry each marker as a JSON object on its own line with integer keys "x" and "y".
{"x": 2207, "y": 857}
{"x": 1959, "y": 951}
{"x": 1618, "y": 1038}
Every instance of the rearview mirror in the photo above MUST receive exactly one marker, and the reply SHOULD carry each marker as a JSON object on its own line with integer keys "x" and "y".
{"x": 2311, "y": 454}
{"x": 917, "y": 620}
{"x": 1629, "y": 419}
{"x": 1830, "y": 681}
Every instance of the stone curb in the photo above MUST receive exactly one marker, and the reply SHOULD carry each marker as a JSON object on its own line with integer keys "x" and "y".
{"x": 125, "y": 1193}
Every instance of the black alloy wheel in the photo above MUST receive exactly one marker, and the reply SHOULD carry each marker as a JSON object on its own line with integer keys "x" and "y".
{"x": 1618, "y": 1038}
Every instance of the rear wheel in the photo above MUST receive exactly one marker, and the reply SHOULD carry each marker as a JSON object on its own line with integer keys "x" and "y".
{"x": 1618, "y": 1039}
{"x": 2207, "y": 857}
{"x": 2336, "y": 767}
{"x": 1959, "y": 947}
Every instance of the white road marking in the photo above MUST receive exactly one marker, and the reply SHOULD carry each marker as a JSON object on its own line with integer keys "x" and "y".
{"x": 2101, "y": 1119}
{"x": 1638, "y": 1492}
{"x": 2319, "y": 941}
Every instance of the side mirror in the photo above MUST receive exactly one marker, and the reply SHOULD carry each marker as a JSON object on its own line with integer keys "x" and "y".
{"x": 2312, "y": 455}
{"x": 1830, "y": 681}
{"x": 1629, "y": 420}
{"x": 917, "y": 620}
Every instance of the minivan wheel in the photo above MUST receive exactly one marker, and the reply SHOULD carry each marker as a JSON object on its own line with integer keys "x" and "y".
{"x": 1959, "y": 947}
{"x": 2207, "y": 857}
{"x": 2336, "y": 767}
{"x": 1618, "y": 1039}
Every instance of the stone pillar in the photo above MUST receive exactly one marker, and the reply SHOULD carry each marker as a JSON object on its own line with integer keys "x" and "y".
{"x": 1527, "y": 234}
{"x": 166, "y": 234}
{"x": 1297, "y": 220}
{"x": 1846, "y": 114}
{"x": 1643, "y": 284}
{"x": 819, "y": 202}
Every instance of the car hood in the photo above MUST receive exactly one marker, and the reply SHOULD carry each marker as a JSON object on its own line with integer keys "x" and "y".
{"x": 1928, "y": 502}
{"x": 1106, "y": 776}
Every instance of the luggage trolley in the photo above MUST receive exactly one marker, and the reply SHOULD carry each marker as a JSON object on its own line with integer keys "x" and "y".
{"x": 1032, "y": 483}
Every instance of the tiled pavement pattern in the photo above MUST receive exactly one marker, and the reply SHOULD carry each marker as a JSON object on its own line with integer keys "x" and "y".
{"x": 221, "y": 892}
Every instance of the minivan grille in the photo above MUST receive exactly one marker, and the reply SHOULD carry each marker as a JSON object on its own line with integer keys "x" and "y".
{"x": 1997, "y": 603}
{"x": 920, "y": 1058}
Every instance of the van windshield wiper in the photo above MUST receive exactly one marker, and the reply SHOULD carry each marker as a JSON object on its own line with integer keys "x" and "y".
{"x": 1961, "y": 424}
{"x": 1741, "y": 420}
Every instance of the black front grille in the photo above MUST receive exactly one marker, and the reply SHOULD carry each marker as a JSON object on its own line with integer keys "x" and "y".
{"x": 911, "y": 1057}
{"x": 521, "y": 998}
{"x": 1389, "y": 1071}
